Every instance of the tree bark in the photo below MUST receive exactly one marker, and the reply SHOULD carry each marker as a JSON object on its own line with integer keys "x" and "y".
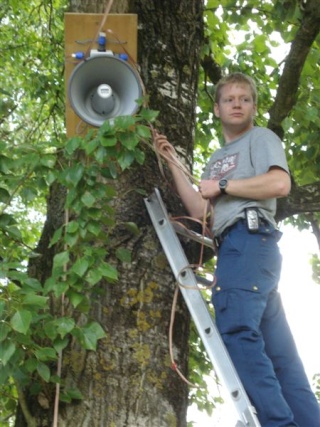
{"x": 129, "y": 380}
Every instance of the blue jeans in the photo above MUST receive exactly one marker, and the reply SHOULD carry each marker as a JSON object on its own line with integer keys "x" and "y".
{"x": 253, "y": 326}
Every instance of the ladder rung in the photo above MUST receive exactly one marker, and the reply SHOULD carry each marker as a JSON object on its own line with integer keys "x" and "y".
{"x": 183, "y": 231}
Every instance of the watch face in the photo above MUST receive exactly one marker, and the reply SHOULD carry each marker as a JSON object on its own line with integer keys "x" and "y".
{"x": 223, "y": 183}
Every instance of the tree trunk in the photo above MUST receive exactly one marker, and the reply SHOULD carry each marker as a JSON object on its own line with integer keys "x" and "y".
{"x": 129, "y": 380}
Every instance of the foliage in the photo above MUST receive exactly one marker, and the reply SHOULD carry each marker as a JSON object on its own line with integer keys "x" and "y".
{"x": 315, "y": 262}
{"x": 35, "y": 155}
{"x": 255, "y": 40}
{"x": 32, "y": 335}
{"x": 316, "y": 380}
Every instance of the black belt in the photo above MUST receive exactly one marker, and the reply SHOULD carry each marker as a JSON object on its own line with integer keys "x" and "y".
{"x": 219, "y": 239}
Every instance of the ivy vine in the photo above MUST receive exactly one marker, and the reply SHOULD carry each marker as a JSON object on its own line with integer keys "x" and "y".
{"x": 31, "y": 335}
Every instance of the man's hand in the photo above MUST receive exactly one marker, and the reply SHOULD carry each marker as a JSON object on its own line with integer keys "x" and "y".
{"x": 163, "y": 145}
{"x": 209, "y": 188}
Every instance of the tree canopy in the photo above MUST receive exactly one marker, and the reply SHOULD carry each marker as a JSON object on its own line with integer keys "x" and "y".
{"x": 276, "y": 42}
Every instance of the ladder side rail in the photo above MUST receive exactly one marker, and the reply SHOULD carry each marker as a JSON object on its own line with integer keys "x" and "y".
{"x": 197, "y": 306}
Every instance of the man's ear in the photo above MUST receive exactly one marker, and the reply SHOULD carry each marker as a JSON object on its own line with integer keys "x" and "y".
{"x": 255, "y": 110}
{"x": 216, "y": 110}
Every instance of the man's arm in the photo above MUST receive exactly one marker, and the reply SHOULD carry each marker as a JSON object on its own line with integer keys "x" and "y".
{"x": 191, "y": 198}
{"x": 275, "y": 183}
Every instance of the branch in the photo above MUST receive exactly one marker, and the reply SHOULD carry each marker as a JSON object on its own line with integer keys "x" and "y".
{"x": 289, "y": 81}
{"x": 31, "y": 421}
{"x": 304, "y": 199}
{"x": 211, "y": 69}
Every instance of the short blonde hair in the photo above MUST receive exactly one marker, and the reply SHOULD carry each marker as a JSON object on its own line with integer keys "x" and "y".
{"x": 236, "y": 78}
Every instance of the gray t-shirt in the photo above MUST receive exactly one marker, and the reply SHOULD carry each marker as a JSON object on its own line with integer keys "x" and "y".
{"x": 254, "y": 153}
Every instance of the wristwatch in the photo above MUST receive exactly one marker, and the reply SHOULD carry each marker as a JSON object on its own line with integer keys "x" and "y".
{"x": 223, "y": 184}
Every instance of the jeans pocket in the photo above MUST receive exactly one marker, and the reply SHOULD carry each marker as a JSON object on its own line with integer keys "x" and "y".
{"x": 238, "y": 309}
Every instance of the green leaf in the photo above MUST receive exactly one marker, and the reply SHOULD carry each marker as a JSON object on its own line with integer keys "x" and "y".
{"x": 6, "y": 219}
{"x": 51, "y": 177}
{"x": 91, "y": 334}
{"x": 110, "y": 171}
{"x": 71, "y": 239}
{"x": 35, "y": 300}
{"x": 88, "y": 199}
{"x": 2, "y": 308}
{"x": 91, "y": 146}
{"x": 213, "y": 4}
{"x": 67, "y": 395}
{"x": 75, "y": 297}
{"x": 49, "y": 161}
{"x": 50, "y": 329}
{"x": 74, "y": 174}
{"x": 124, "y": 122}
{"x": 31, "y": 364}
{"x": 61, "y": 259}
{"x": 49, "y": 285}
{"x": 28, "y": 193}
{"x": 84, "y": 306}
{"x": 143, "y": 131}
{"x": 56, "y": 237}
{"x": 21, "y": 321}
{"x": 139, "y": 156}
{"x": 108, "y": 141}
{"x": 132, "y": 227}
{"x": 125, "y": 159}
{"x": 7, "y": 350}
{"x": 44, "y": 371}
{"x": 123, "y": 254}
{"x": 94, "y": 228}
{"x": 4, "y": 331}
{"x": 60, "y": 288}
{"x": 15, "y": 275}
{"x": 80, "y": 267}
{"x": 45, "y": 354}
{"x": 4, "y": 164}
{"x": 73, "y": 144}
{"x": 129, "y": 140}
{"x": 100, "y": 155}
{"x": 64, "y": 325}
{"x": 4, "y": 195}
{"x": 108, "y": 271}
{"x": 33, "y": 283}
{"x": 148, "y": 115}
{"x": 72, "y": 227}
{"x": 107, "y": 128}
{"x": 4, "y": 374}
{"x": 14, "y": 233}
{"x": 93, "y": 276}
{"x": 60, "y": 344}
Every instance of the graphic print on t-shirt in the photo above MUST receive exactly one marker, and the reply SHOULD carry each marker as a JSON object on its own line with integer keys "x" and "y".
{"x": 221, "y": 167}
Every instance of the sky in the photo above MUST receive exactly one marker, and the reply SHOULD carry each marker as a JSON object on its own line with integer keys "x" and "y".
{"x": 301, "y": 299}
{"x": 301, "y": 296}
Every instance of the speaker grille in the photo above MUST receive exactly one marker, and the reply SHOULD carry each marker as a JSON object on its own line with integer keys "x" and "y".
{"x": 108, "y": 70}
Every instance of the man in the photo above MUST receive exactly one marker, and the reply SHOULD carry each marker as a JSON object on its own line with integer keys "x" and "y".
{"x": 242, "y": 181}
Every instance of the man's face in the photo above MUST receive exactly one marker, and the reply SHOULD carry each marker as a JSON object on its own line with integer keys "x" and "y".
{"x": 236, "y": 108}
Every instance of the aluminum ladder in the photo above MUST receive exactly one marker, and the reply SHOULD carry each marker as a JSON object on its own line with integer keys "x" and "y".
{"x": 197, "y": 306}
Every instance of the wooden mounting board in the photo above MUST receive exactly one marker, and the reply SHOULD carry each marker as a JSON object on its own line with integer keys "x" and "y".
{"x": 80, "y": 30}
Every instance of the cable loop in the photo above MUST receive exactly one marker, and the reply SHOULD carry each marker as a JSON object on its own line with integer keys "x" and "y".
{"x": 169, "y": 154}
